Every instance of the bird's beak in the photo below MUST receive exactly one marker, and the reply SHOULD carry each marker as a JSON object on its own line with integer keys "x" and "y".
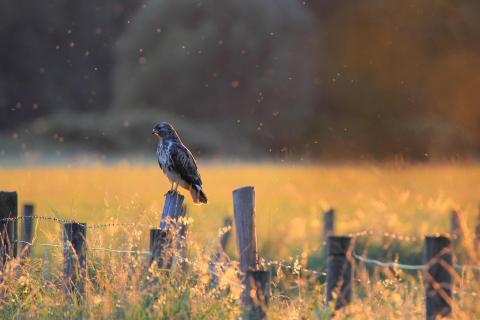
{"x": 154, "y": 132}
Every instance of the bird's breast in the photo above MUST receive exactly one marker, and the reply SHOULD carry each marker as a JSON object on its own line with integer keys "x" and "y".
{"x": 163, "y": 157}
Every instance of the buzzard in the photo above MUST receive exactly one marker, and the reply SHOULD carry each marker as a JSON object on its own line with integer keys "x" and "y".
{"x": 177, "y": 162}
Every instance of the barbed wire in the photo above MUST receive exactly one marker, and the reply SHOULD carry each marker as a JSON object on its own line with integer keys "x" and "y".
{"x": 384, "y": 264}
{"x": 40, "y": 244}
{"x": 282, "y": 264}
{"x": 396, "y": 265}
{"x": 297, "y": 268}
{"x": 88, "y": 248}
{"x": 48, "y": 218}
{"x": 121, "y": 251}
{"x": 466, "y": 266}
{"x": 395, "y": 236}
{"x": 88, "y": 226}
{"x": 391, "y": 235}
{"x": 362, "y": 233}
{"x": 122, "y": 224}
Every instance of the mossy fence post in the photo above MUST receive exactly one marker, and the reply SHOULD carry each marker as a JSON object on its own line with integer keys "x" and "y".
{"x": 27, "y": 229}
{"x": 75, "y": 257}
{"x": 438, "y": 277}
{"x": 8, "y": 226}
{"x": 339, "y": 271}
{"x": 256, "y": 282}
{"x": 162, "y": 239}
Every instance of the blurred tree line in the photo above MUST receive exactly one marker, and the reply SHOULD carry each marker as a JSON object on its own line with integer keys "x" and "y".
{"x": 57, "y": 54}
{"x": 319, "y": 78}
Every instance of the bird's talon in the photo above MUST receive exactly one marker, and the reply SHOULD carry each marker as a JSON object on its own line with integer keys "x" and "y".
{"x": 171, "y": 192}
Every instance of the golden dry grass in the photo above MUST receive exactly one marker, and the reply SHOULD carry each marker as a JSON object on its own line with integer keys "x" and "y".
{"x": 409, "y": 200}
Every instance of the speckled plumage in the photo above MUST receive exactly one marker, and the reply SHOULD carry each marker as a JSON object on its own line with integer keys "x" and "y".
{"x": 177, "y": 162}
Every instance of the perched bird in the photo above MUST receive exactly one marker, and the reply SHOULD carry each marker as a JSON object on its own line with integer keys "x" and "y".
{"x": 177, "y": 162}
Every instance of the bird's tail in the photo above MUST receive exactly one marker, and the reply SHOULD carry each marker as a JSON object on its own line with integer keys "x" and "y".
{"x": 198, "y": 195}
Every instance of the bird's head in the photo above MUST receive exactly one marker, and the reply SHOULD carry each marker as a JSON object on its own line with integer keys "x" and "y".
{"x": 164, "y": 130}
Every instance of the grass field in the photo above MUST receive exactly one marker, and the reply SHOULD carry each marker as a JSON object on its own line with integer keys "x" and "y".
{"x": 408, "y": 200}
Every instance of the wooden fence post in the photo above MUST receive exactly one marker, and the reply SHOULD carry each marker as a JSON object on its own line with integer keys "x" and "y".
{"x": 477, "y": 234}
{"x": 27, "y": 229}
{"x": 220, "y": 253}
{"x": 8, "y": 228}
{"x": 257, "y": 285}
{"x": 75, "y": 257}
{"x": 181, "y": 237}
{"x": 339, "y": 271}
{"x": 253, "y": 280}
{"x": 328, "y": 224}
{"x": 438, "y": 277}
{"x": 172, "y": 208}
{"x": 244, "y": 214}
{"x": 162, "y": 239}
{"x": 158, "y": 246}
{"x": 455, "y": 228}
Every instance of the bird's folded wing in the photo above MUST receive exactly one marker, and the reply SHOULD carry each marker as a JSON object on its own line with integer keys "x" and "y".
{"x": 184, "y": 164}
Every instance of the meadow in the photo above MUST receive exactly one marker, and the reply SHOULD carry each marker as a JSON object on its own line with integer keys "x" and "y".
{"x": 290, "y": 199}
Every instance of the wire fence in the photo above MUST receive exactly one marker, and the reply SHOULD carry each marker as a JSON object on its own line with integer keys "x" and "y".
{"x": 90, "y": 226}
{"x": 296, "y": 268}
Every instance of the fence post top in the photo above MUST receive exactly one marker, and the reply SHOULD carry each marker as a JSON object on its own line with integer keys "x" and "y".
{"x": 244, "y": 189}
{"x": 438, "y": 238}
{"x": 340, "y": 238}
{"x": 83, "y": 224}
{"x": 8, "y": 193}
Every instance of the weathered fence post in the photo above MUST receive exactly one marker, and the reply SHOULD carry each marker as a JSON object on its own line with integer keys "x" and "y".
{"x": 339, "y": 271}
{"x": 220, "y": 253}
{"x": 181, "y": 237}
{"x": 75, "y": 257}
{"x": 256, "y": 287}
{"x": 438, "y": 277}
{"x": 328, "y": 224}
{"x": 161, "y": 240}
{"x": 455, "y": 228}
{"x": 477, "y": 233}
{"x": 244, "y": 214}
{"x": 27, "y": 229}
{"x": 8, "y": 228}
{"x": 172, "y": 209}
{"x": 158, "y": 246}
